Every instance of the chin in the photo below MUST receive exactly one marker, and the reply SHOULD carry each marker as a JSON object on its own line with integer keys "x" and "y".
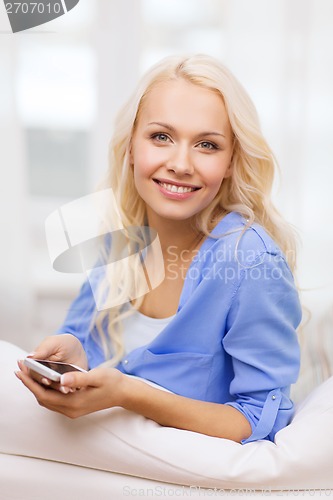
{"x": 176, "y": 216}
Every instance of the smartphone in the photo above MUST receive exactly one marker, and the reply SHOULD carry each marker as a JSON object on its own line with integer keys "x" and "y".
{"x": 49, "y": 369}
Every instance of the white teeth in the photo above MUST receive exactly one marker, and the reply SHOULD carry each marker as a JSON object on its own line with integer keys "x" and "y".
{"x": 176, "y": 189}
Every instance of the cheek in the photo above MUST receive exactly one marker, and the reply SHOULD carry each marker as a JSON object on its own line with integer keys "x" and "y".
{"x": 214, "y": 186}
{"x": 148, "y": 161}
{"x": 141, "y": 164}
{"x": 215, "y": 173}
{"x": 143, "y": 170}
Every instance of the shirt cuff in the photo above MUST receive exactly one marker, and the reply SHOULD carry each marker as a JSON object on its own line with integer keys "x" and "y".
{"x": 263, "y": 427}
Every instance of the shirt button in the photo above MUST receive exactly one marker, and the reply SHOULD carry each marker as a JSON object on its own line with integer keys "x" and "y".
{"x": 125, "y": 361}
{"x": 273, "y": 397}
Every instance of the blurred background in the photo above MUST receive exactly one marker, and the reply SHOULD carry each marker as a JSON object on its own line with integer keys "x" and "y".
{"x": 62, "y": 83}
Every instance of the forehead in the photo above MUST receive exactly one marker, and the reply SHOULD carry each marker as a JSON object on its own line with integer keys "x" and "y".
{"x": 179, "y": 102}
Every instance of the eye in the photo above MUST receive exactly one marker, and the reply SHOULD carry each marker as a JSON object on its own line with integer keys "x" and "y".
{"x": 208, "y": 145}
{"x": 160, "y": 137}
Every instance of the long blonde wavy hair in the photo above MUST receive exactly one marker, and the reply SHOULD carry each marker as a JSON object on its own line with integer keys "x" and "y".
{"x": 247, "y": 191}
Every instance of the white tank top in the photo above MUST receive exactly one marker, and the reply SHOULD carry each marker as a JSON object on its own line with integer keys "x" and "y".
{"x": 140, "y": 329}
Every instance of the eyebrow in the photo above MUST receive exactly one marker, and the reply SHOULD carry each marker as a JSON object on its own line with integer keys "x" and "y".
{"x": 172, "y": 129}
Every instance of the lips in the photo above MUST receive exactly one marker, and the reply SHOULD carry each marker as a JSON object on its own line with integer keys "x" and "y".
{"x": 176, "y": 187}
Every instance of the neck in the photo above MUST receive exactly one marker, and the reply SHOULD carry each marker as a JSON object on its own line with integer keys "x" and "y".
{"x": 180, "y": 234}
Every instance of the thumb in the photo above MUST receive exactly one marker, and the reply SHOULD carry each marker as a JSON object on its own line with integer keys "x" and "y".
{"x": 47, "y": 349}
{"x": 76, "y": 380}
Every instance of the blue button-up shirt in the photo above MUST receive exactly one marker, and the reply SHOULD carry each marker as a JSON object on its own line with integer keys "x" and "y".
{"x": 233, "y": 339}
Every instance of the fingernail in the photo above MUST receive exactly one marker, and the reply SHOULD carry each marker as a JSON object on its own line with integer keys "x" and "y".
{"x": 67, "y": 379}
{"x": 46, "y": 381}
{"x": 17, "y": 375}
{"x": 31, "y": 354}
{"x": 64, "y": 390}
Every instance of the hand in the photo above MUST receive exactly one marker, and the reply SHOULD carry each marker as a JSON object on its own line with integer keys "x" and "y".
{"x": 99, "y": 389}
{"x": 65, "y": 348}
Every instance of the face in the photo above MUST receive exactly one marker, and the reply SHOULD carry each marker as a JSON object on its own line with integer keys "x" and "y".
{"x": 181, "y": 149}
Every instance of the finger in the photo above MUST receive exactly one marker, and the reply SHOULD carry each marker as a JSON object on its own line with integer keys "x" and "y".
{"x": 44, "y": 396}
{"x": 34, "y": 375}
{"x": 22, "y": 366}
{"x": 78, "y": 380}
{"x": 31, "y": 384}
{"x": 43, "y": 380}
{"x": 58, "y": 387}
{"x": 46, "y": 381}
{"x": 67, "y": 405}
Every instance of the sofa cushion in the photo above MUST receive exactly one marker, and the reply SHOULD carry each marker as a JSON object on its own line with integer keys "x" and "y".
{"x": 117, "y": 440}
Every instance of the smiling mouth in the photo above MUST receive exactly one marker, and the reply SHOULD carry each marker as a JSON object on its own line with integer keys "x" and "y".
{"x": 173, "y": 188}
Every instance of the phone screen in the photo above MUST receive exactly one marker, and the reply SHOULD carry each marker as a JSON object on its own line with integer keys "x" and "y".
{"x": 58, "y": 367}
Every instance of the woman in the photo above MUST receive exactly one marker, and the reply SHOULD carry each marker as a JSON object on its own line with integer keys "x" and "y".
{"x": 188, "y": 159}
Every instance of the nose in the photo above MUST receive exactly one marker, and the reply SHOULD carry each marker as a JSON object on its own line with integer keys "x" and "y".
{"x": 180, "y": 161}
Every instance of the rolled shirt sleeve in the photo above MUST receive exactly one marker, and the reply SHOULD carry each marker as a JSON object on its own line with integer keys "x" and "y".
{"x": 262, "y": 341}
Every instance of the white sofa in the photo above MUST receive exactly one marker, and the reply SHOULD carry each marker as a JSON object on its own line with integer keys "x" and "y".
{"x": 116, "y": 454}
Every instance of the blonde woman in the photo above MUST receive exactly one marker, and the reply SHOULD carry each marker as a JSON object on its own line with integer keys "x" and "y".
{"x": 188, "y": 159}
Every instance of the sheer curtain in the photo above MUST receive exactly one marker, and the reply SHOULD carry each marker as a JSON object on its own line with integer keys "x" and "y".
{"x": 15, "y": 297}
